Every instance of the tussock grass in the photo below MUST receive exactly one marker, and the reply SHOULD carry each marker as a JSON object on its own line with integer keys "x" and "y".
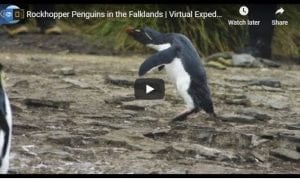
{"x": 210, "y": 35}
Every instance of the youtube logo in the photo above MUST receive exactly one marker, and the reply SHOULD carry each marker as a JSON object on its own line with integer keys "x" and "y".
{"x": 149, "y": 88}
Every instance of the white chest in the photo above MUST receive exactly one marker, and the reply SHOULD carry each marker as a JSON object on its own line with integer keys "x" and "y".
{"x": 176, "y": 71}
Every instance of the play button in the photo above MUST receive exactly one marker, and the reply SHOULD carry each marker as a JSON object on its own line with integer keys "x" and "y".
{"x": 149, "y": 88}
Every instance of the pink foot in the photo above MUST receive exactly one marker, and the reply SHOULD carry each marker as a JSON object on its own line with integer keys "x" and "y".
{"x": 183, "y": 115}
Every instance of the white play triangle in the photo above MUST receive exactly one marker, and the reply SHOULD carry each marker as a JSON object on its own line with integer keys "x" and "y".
{"x": 149, "y": 89}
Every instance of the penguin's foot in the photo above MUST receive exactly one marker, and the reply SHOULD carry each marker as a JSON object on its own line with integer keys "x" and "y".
{"x": 183, "y": 115}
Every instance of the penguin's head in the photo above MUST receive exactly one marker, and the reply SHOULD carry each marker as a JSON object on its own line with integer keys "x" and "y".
{"x": 147, "y": 36}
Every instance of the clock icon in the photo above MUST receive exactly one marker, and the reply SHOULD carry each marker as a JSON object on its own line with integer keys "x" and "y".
{"x": 244, "y": 10}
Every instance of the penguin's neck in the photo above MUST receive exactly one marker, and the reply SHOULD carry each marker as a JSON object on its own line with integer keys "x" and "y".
{"x": 159, "y": 47}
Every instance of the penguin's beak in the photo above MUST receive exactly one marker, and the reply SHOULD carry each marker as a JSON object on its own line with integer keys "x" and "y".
{"x": 129, "y": 30}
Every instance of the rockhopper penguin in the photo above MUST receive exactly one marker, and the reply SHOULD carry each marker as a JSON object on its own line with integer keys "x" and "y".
{"x": 183, "y": 65}
{"x": 5, "y": 126}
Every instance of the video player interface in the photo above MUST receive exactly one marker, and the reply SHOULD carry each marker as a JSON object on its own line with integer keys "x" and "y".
{"x": 149, "y": 88}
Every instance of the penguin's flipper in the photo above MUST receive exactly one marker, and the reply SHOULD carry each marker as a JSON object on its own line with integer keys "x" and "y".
{"x": 158, "y": 59}
{"x": 5, "y": 128}
{"x": 3, "y": 124}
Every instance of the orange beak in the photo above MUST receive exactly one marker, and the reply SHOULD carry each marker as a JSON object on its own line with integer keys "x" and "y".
{"x": 129, "y": 29}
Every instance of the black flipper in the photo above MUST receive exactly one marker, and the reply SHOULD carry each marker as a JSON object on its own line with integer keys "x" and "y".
{"x": 3, "y": 124}
{"x": 160, "y": 58}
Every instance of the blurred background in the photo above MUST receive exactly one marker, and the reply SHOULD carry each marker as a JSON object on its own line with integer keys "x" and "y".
{"x": 210, "y": 35}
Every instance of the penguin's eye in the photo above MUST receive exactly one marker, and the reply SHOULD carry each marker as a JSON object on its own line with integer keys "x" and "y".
{"x": 148, "y": 36}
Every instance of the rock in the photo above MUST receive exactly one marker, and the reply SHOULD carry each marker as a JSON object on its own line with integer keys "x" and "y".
{"x": 59, "y": 154}
{"x": 17, "y": 107}
{"x": 216, "y": 65}
{"x": 294, "y": 89}
{"x": 293, "y": 126}
{"x": 245, "y": 60}
{"x": 119, "y": 99}
{"x": 217, "y": 55}
{"x": 158, "y": 132}
{"x": 21, "y": 84}
{"x": 258, "y": 156}
{"x": 256, "y": 141}
{"x": 141, "y": 105}
{"x": 258, "y": 115}
{"x": 244, "y": 102}
{"x": 81, "y": 153}
{"x": 271, "y": 89}
{"x": 226, "y": 62}
{"x": 66, "y": 139}
{"x": 66, "y": 71}
{"x": 24, "y": 126}
{"x": 278, "y": 104}
{"x": 293, "y": 136}
{"x": 47, "y": 103}
{"x": 178, "y": 125}
{"x": 234, "y": 96}
{"x": 298, "y": 148}
{"x": 235, "y": 99}
{"x": 133, "y": 140}
{"x": 227, "y": 139}
{"x": 99, "y": 116}
{"x": 133, "y": 107}
{"x": 267, "y": 134}
{"x": 237, "y": 78}
{"x": 238, "y": 118}
{"x": 273, "y": 101}
{"x": 266, "y": 82}
{"x": 207, "y": 152}
{"x": 27, "y": 150}
{"x": 119, "y": 80}
{"x": 77, "y": 83}
{"x": 203, "y": 136}
{"x": 145, "y": 119}
{"x": 104, "y": 124}
{"x": 286, "y": 154}
{"x": 268, "y": 63}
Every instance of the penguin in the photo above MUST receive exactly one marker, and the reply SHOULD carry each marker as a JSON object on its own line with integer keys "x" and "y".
{"x": 177, "y": 55}
{"x": 5, "y": 126}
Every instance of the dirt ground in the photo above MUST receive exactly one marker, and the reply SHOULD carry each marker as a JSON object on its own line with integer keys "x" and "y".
{"x": 74, "y": 112}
